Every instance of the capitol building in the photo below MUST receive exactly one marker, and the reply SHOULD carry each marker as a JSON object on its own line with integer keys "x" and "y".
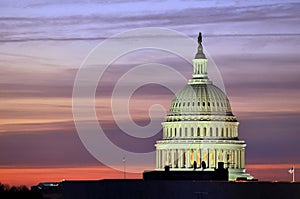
{"x": 200, "y": 129}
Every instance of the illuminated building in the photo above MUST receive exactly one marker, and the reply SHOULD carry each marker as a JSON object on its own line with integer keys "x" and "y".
{"x": 200, "y": 129}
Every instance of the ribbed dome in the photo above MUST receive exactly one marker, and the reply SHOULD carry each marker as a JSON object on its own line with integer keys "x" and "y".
{"x": 200, "y": 99}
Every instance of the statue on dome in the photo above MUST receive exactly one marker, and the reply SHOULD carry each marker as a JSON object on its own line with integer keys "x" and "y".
{"x": 200, "y": 54}
{"x": 200, "y": 38}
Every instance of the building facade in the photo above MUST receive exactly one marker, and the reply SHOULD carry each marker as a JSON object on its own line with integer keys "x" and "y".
{"x": 200, "y": 129}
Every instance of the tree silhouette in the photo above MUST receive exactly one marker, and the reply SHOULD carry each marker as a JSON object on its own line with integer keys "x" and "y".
{"x": 16, "y": 192}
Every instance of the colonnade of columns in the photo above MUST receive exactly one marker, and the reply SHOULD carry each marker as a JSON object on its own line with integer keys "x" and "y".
{"x": 184, "y": 158}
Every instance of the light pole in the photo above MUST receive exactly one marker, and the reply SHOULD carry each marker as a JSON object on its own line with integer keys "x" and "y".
{"x": 124, "y": 163}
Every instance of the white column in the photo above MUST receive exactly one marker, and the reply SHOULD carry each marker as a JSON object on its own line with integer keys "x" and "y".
{"x": 163, "y": 161}
{"x": 175, "y": 158}
{"x": 243, "y": 158}
{"x": 235, "y": 159}
{"x": 232, "y": 158}
{"x": 198, "y": 161}
{"x": 208, "y": 158}
{"x": 216, "y": 158}
{"x": 201, "y": 156}
{"x": 224, "y": 157}
{"x": 195, "y": 155}
{"x": 182, "y": 157}
{"x": 167, "y": 158}
{"x": 187, "y": 158}
{"x": 239, "y": 159}
{"x": 157, "y": 158}
{"x": 160, "y": 160}
{"x": 172, "y": 158}
{"x": 240, "y": 162}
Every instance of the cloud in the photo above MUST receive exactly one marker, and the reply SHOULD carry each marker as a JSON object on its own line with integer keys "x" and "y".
{"x": 277, "y": 128}
{"x": 58, "y": 27}
{"x": 50, "y": 148}
{"x": 57, "y": 144}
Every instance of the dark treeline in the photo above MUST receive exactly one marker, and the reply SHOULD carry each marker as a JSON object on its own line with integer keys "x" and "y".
{"x": 8, "y": 192}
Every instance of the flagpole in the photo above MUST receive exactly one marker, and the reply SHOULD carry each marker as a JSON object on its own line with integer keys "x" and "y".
{"x": 293, "y": 173}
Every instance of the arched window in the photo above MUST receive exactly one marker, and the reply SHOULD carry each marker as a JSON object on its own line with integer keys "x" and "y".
{"x": 222, "y": 132}
{"x": 192, "y": 132}
{"x": 204, "y": 131}
{"x": 217, "y": 132}
{"x": 186, "y": 130}
{"x": 198, "y": 131}
{"x": 180, "y": 132}
{"x": 210, "y": 132}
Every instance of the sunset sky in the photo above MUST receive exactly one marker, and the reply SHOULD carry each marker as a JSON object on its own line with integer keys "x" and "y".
{"x": 256, "y": 46}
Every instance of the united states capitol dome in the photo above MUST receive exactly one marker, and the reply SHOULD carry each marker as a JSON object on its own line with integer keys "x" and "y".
{"x": 200, "y": 99}
{"x": 200, "y": 129}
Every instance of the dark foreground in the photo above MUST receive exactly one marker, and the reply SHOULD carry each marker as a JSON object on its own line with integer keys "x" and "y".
{"x": 131, "y": 189}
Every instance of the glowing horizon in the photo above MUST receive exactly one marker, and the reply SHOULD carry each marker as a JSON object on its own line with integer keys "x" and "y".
{"x": 254, "y": 44}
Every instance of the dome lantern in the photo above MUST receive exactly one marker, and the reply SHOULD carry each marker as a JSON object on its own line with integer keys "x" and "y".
{"x": 200, "y": 65}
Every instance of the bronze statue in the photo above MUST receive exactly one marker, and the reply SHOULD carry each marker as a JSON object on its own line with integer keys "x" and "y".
{"x": 200, "y": 38}
{"x": 200, "y": 54}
